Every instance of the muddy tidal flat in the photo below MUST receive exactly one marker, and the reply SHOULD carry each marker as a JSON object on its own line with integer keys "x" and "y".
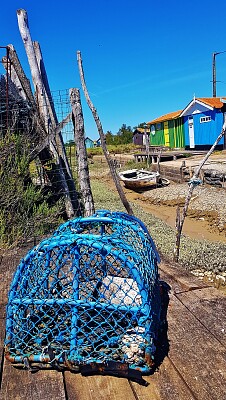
{"x": 196, "y": 252}
{"x": 207, "y": 204}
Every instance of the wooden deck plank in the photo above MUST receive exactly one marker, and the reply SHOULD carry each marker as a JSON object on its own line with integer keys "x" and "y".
{"x": 147, "y": 392}
{"x": 97, "y": 387}
{"x": 211, "y": 293}
{"x": 195, "y": 353}
{"x": 210, "y": 312}
{"x": 8, "y": 266}
{"x": 164, "y": 384}
{"x": 181, "y": 280}
{"x": 19, "y": 384}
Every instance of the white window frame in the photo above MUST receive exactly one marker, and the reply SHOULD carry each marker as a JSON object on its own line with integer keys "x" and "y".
{"x": 205, "y": 119}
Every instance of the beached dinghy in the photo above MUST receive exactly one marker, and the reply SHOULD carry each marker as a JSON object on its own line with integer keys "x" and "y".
{"x": 139, "y": 179}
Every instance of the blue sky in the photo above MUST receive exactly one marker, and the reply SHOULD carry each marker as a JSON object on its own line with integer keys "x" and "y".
{"x": 142, "y": 59}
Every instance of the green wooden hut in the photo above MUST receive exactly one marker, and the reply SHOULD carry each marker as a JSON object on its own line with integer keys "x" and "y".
{"x": 167, "y": 130}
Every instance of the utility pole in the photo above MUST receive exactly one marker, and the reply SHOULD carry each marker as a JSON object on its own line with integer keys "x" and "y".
{"x": 214, "y": 71}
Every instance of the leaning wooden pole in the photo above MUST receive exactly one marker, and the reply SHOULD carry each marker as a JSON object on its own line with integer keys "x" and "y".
{"x": 79, "y": 136}
{"x": 180, "y": 218}
{"x": 42, "y": 104}
{"x": 24, "y": 81}
{"x": 7, "y": 64}
{"x": 35, "y": 73}
{"x": 50, "y": 105}
{"x": 55, "y": 125}
{"x": 102, "y": 138}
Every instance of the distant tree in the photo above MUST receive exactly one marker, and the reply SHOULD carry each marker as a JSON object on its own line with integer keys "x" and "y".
{"x": 109, "y": 138}
{"x": 125, "y": 134}
{"x": 141, "y": 125}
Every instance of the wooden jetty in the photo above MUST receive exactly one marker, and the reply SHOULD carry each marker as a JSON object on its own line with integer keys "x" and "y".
{"x": 159, "y": 153}
{"x": 191, "y": 357}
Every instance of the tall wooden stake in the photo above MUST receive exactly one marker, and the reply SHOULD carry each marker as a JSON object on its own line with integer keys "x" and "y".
{"x": 42, "y": 103}
{"x": 193, "y": 182}
{"x": 55, "y": 125}
{"x": 79, "y": 136}
{"x": 24, "y": 81}
{"x": 102, "y": 138}
{"x": 14, "y": 77}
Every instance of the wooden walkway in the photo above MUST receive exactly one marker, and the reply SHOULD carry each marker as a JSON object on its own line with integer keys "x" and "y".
{"x": 192, "y": 356}
{"x": 166, "y": 155}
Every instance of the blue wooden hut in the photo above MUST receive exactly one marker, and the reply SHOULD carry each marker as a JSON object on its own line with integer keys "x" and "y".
{"x": 89, "y": 143}
{"x": 203, "y": 121}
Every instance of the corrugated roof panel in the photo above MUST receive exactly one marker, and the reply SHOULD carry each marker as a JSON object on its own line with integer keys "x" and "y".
{"x": 166, "y": 117}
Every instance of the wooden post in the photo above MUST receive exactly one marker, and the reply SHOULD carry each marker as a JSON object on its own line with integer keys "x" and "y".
{"x": 42, "y": 104}
{"x": 55, "y": 125}
{"x": 35, "y": 73}
{"x": 79, "y": 136}
{"x": 158, "y": 161}
{"x": 193, "y": 182}
{"x": 102, "y": 138}
{"x": 14, "y": 77}
{"x": 147, "y": 147}
{"x": 24, "y": 81}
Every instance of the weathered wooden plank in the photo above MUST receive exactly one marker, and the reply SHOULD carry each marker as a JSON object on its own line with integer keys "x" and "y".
{"x": 199, "y": 357}
{"x": 97, "y": 387}
{"x": 180, "y": 280}
{"x": 8, "y": 267}
{"x": 173, "y": 285}
{"x": 185, "y": 278}
{"x": 21, "y": 384}
{"x": 147, "y": 392}
{"x": 164, "y": 384}
{"x": 210, "y": 293}
{"x": 211, "y": 312}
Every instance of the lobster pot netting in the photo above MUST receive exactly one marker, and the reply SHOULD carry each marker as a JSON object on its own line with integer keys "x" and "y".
{"x": 89, "y": 294}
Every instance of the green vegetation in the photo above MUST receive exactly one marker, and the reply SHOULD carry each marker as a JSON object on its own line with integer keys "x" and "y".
{"x": 24, "y": 209}
{"x": 123, "y": 136}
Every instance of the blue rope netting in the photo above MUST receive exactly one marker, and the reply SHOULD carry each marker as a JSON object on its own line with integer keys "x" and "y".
{"x": 89, "y": 294}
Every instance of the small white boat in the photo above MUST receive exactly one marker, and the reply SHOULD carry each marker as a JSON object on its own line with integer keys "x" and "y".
{"x": 139, "y": 179}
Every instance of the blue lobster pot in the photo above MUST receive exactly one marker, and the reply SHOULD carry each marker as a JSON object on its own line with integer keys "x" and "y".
{"x": 87, "y": 296}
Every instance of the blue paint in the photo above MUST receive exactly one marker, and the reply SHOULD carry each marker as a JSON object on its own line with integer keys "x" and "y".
{"x": 89, "y": 143}
{"x": 205, "y": 133}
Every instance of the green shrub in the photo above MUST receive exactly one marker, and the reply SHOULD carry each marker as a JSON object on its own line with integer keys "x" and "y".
{"x": 24, "y": 209}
